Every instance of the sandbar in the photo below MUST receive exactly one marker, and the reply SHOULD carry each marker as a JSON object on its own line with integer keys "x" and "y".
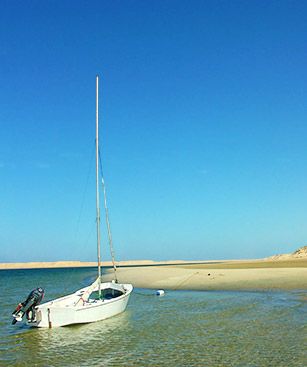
{"x": 234, "y": 275}
{"x": 263, "y": 274}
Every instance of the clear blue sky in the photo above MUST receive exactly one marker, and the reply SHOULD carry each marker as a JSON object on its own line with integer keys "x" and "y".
{"x": 204, "y": 128}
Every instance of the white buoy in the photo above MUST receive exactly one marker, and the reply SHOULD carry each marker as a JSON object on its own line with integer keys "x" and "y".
{"x": 160, "y": 292}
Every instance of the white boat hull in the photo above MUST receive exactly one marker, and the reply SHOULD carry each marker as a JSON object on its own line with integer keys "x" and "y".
{"x": 70, "y": 310}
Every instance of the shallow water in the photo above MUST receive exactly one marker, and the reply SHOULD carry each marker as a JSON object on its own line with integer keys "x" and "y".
{"x": 182, "y": 328}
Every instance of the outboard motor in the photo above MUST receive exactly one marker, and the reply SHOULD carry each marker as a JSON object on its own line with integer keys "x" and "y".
{"x": 28, "y": 306}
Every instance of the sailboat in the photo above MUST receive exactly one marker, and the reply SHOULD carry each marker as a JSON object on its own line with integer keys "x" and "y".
{"x": 96, "y": 302}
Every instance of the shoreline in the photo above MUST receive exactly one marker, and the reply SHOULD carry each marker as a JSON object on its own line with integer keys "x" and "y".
{"x": 188, "y": 264}
{"x": 263, "y": 274}
{"x": 86, "y": 264}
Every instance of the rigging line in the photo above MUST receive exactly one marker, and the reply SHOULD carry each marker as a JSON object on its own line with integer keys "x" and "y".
{"x": 84, "y": 191}
{"x": 107, "y": 219}
{"x": 90, "y": 233}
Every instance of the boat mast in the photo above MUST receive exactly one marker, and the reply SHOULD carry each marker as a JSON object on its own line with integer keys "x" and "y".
{"x": 97, "y": 191}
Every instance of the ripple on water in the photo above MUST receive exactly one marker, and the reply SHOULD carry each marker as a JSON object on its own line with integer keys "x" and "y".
{"x": 180, "y": 329}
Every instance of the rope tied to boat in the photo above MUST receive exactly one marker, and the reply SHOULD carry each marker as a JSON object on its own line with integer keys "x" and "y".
{"x": 185, "y": 280}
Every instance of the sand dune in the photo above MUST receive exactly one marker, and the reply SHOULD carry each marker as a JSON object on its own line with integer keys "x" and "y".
{"x": 300, "y": 253}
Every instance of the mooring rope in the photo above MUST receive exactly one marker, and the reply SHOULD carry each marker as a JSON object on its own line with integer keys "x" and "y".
{"x": 172, "y": 289}
{"x": 184, "y": 281}
{"x": 143, "y": 294}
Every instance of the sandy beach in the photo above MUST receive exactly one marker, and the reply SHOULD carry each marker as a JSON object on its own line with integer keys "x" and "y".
{"x": 239, "y": 275}
{"x": 285, "y": 273}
